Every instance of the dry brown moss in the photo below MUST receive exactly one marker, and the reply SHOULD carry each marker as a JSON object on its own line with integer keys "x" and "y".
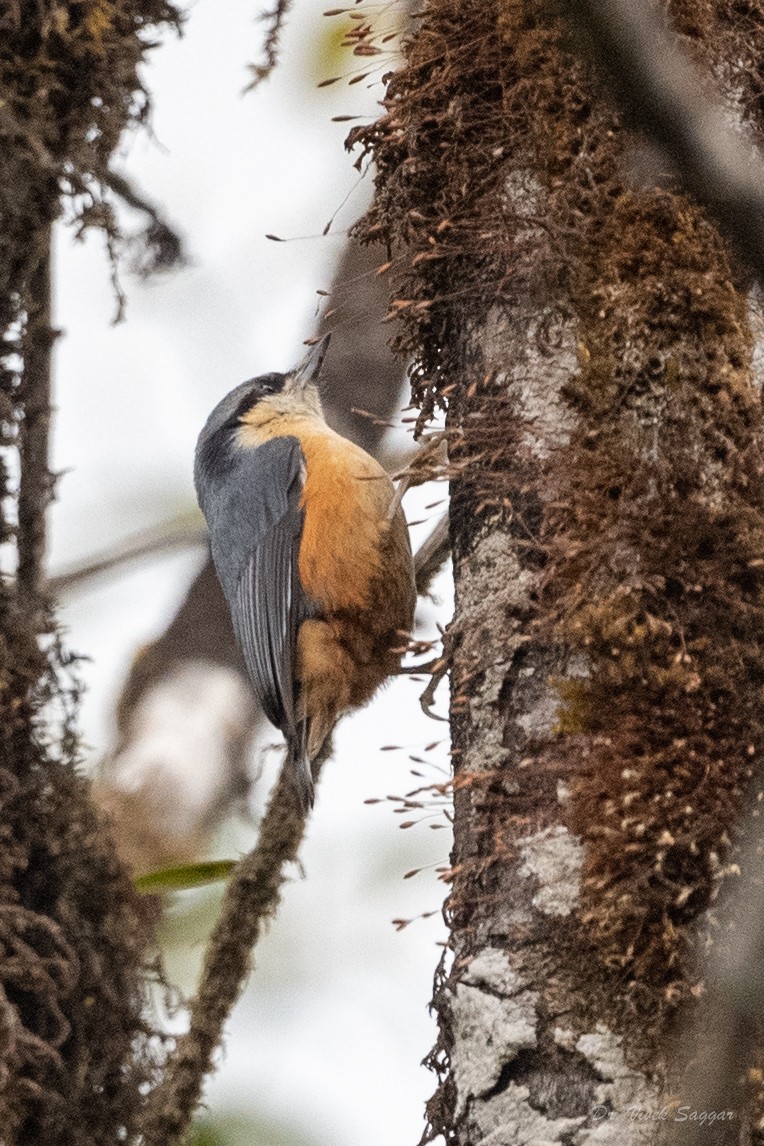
{"x": 656, "y": 563}
{"x": 650, "y": 523}
{"x": 75, "y": 940}
{"x": 75, "y": 1052}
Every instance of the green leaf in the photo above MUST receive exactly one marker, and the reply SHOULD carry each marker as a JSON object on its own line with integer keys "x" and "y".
{"x": 183, "y": 877}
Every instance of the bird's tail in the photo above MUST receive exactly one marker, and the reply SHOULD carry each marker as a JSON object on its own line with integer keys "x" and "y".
{"x": 299, "y": 767}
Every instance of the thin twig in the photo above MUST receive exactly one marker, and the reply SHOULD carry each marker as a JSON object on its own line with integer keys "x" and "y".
{"x": 251, "y": 897}
{"x": 663, "y": 93}
{"x": 275, "y": 18}
{"x": 35, "y": 480}
{"x": 175, "y": 534}
{"x": 432, "y": 555}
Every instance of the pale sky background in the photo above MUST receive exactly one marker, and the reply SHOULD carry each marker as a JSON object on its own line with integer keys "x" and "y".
{"x": 326, "y": 1044}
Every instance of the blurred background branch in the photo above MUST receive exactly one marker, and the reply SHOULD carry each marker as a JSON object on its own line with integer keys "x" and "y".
{"x": 183, "y": 532}
{"x": 723, "y": 1041}
{"x": 160, "y": 247}
{"x": 274, "y": 19}
{"x": 664, "y": 94}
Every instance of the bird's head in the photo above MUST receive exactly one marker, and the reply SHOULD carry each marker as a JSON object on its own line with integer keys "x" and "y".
{"x": 250, "y": 412}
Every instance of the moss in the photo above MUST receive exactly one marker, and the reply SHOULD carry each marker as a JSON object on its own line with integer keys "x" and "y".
{"x": 649, "y": 522}
{"x": 76, "y": 1053}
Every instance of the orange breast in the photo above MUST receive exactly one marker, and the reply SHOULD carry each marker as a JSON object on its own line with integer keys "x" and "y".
{"x": 347, "y": 496}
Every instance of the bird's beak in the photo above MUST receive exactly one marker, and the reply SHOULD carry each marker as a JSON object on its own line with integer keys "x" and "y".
{"x": 309, "y": 369}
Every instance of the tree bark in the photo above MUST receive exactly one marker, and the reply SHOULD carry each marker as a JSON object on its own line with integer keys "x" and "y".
{"x": 590, "y": 340}
{"x": 528, "y": 1023}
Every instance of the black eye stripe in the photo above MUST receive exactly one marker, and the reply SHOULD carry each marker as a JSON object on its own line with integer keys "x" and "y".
{"x": 257, "y": 388}
{"x": 244, "y": 405}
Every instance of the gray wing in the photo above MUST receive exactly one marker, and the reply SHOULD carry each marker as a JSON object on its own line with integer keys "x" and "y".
{"x": 266, "y": 616}
{"x": 255, "y": 531}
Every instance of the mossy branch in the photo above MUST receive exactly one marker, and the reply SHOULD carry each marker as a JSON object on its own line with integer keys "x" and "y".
{"x": 250, "y": 899}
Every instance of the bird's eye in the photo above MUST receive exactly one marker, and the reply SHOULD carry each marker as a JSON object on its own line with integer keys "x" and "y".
{"x": 270, "y": 383}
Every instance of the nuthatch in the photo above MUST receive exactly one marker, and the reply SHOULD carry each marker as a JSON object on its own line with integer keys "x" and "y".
{"x": 313, "y": 554}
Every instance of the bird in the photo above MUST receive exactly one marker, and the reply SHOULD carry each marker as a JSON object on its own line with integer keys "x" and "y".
{"x": 312, "y": 550}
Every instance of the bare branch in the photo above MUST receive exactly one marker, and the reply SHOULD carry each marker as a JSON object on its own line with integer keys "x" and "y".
{"x": 662, "y": 93}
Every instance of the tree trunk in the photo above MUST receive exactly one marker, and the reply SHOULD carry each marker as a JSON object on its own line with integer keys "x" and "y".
{"x": 590, "y": 340}
{"x": 77, "y": 1051}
